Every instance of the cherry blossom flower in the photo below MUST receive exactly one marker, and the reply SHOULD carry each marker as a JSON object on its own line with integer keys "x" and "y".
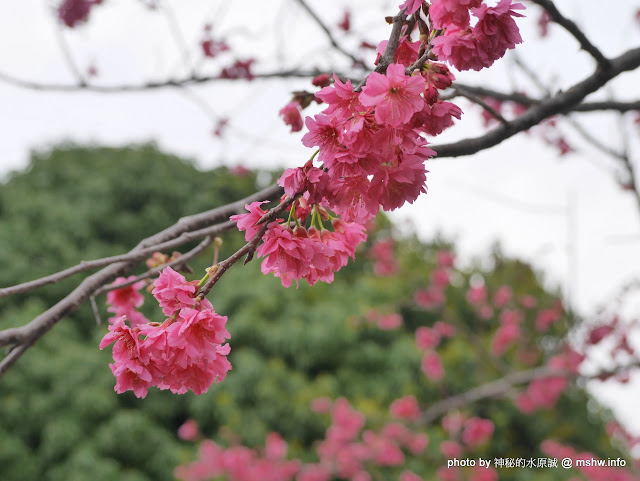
{"x": 396, "y": 96}
{"x": 432, "y": 366}
{"x": 405, "y": 408}
{"x": 123, "y": 300}
{"x": 173, "y": 292}
{"x": 249, "y": 222}
{"x": 411, "y": 6}
{"x": 444, "y": 13}
{"x": 290, "y": 113}
{"x": 477, "y": 431}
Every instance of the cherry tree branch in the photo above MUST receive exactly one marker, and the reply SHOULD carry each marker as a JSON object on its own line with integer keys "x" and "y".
{"x": 105, "y": 261}
{"x": 503, "y": 385}
{"x": 560, "y": 103}
{"x": 178, "y": 262}
{"x": 193, "y": 79}
{"x": 334, "y": 43}
{"x": 574, "y": 30}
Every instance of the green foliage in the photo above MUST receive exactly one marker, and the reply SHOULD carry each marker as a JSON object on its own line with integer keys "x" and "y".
{"x": 61, "y": 419}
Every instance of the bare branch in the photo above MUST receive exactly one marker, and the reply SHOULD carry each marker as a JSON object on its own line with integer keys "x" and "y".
{"x": 503, "y": 385}
{"x": 136, "y": 255}
{"x": 574, "y": 30}
{"x": 152, "y": 85}
{"x": 183, "y": 259}
{"x": 561, "y": 103}
{"x": 477, "y": 100}
{"x": 356, "y": 61}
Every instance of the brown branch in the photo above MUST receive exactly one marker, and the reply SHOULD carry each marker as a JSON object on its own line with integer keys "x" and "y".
{"x": 136, "y": 255}
{"x": 152, "y": 85}
{"x": 477, "y": 100}
{"x": 24, "y": 336}
{"x": 614, "y": 105}
{"x": 389, "y": 52}
{"x": 179, "y": 261}
{"x": 574, "y": 30}
{"x": 356, "y": 61}
{"x": 561, "y": 103}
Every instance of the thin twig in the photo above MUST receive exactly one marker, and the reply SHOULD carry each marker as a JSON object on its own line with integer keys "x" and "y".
{"x": 152, "y": 85}
{"x": 574, "y": 30}
{"x": 356, "y": 61}
{"x": 477, "y": 100}
{"x": 105, "y": 261}
{"x": 392, "y": 45}
{"x": 184, "y": 258}
{"x": 94, "y": 308}
{"x": 247, "y": 249}
{"x": 66, "y": 53}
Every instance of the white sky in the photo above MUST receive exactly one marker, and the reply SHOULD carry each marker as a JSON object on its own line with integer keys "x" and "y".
{"x": 475, "y": 200}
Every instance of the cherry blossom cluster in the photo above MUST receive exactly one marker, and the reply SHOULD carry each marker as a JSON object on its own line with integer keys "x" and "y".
{"x": 185, "y": 351}
{"x": 346, "y": 452}
{"x": 75, "y": 12}
{"x": 464, "y": 435}
{"x": 474, "y": 47}
{"x": 239, "y": 463}
{"x": 433, "y": 296}
{"x": 591, "y": 471}
{"x": 372, "y": 143}
{"x": 296, "y": 253}
{"x": 382, "y": 254}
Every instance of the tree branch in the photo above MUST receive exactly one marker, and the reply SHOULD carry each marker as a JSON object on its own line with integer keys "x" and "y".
{"x": 574, "y": 30}
{"x": 503, "y": 385}
{"x": 332, "y": 39}
{"x": 152, "y": 85}
{"x": 105, "y": 261}
{"x": 560, "y": 103}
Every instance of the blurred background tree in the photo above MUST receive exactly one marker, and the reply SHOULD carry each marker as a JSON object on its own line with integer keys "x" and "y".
{"x": 61, "y": 420}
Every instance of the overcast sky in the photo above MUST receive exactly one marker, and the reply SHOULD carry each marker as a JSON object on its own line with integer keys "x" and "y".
{"x": 555, "y": 212}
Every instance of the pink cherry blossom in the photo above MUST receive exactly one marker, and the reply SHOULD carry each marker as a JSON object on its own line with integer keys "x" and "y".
{"x": 427, "y": 338}
{"x": 450, "y": 449}
{"x": 496, "y": 29}
{"x": 189, "y": 430}
{"x": 396, "y": 96}
{"x": 406, "y": 53}
{"x": 411, "y": 6}
{"x": 444, "y": 13}
{"x": 396, "y": 185}
{"x": 502, "y": 296}
{"x": 429, "y": 298}
{"x": 484, "y": 473}
{"x": 444, "y": 329}
{"x": 74, "y": 12}
{"x": 405, "y": 408}
{"x": 409, "y": 476}
{"x": 459, "y": 47}
{"x": 477, "y": 431}
{"x": 432, "y": 366}
{"x": 341, "y": 98}
{"x": 126, "y": 299}
{"x": 435, "y": 118}
{"x": 173, "y": 292}
{"x": 290, "y": 113}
